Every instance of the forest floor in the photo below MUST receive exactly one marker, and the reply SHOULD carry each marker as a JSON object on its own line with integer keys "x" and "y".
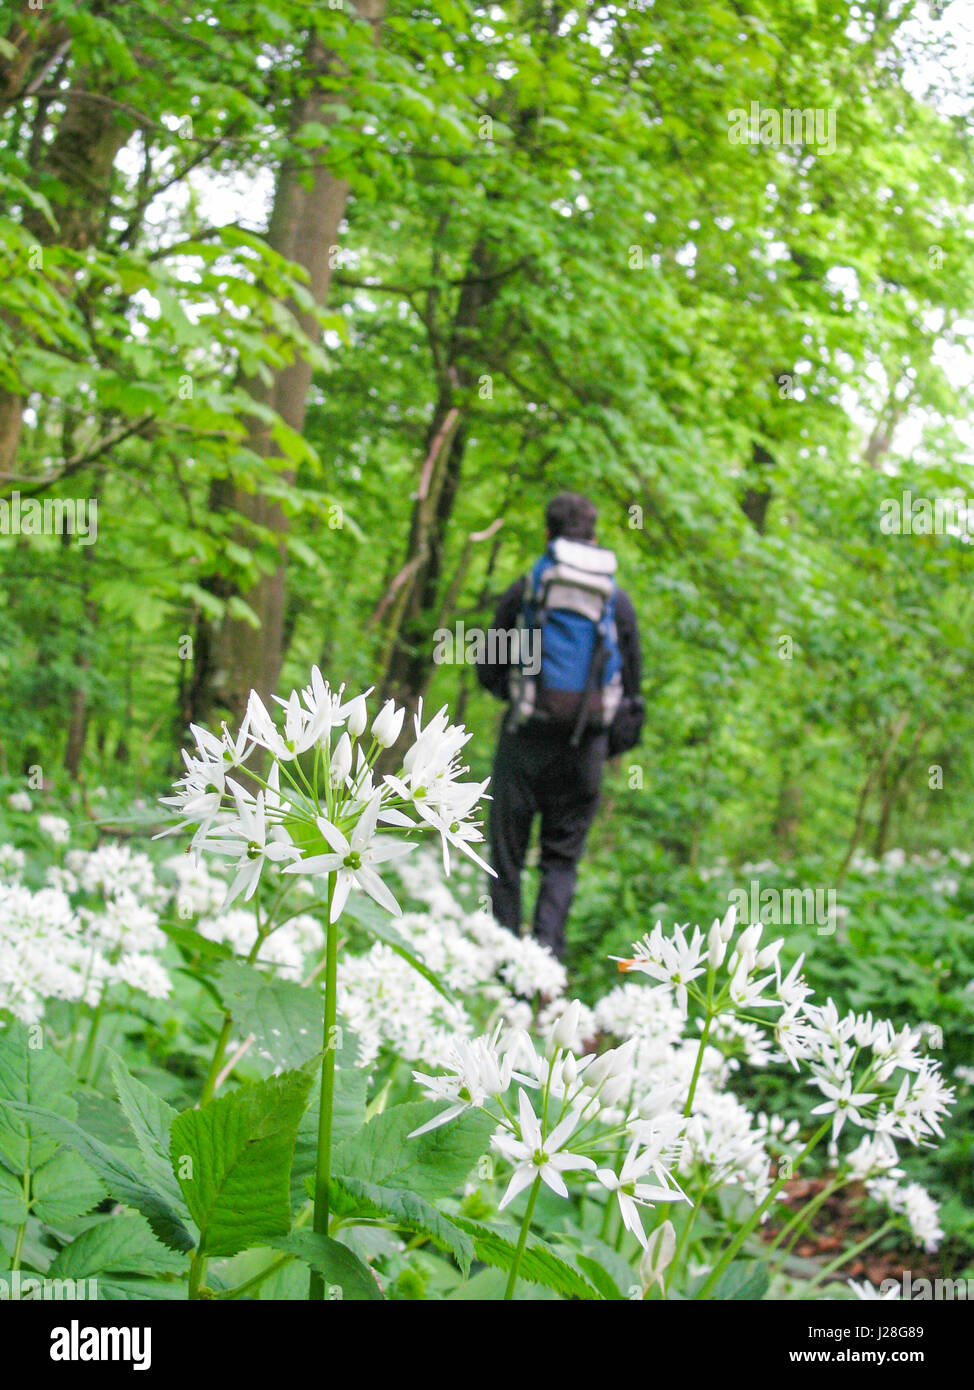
{"x": 840, "y": 1224}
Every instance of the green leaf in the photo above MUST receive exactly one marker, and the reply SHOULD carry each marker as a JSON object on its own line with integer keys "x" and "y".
{"x": 240, "y": 1149}
{"x": 411, "y": 1211}
{"x": 287, "y": 1020}
{"x": 539, "y": 1264}
{"x": 742, "y": 1280}
{"x": 433, "y": 1164}
{"x": 117, "y": 1245}
{"x": 613, "y": 1266}
{"x": 31, "y": 1076}
{"x": 13, "y": 1209}
{"x": 338, "y": 1265}
{"x": 126, "y": 1290}
{"x": 64, "y": 1188}
{"x": 150, "y": 1120}
{"x": 122, "y": 1181}
{"x": 194, "y": 943}
{"x": 601, "y": 1278}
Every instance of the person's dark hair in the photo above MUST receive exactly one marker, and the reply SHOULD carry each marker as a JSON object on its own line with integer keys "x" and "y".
{"x": 572, "y": 516}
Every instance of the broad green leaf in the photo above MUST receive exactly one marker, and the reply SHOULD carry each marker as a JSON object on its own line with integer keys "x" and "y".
{"x": 127, "y": 1290}
{"x": 539, "y": 1264}
{"x": 64, "y": 1188}
{"x": 196, "y": 944}
{"x": 605, "y": 1257}
{"x": 232, "y": 1159}
{"x": 150, "y": 1120}
{"x": 432, "y": 1164}
{"x": 32, "y": 1076}
{"x": 286, "y": 1019}
{"x": 601, "y": 1278}
{"x": 337, "y": 1265}
{"x": 413, "y": 1212}
{"x": 122, "y": 1181}
{"x": 13, "y": 1209}
{"x": 117, "y": 1245}
{"x": 742, "y": 1280}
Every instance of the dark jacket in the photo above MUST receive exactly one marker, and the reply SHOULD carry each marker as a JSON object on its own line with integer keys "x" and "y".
{"x": 495, "y": 677}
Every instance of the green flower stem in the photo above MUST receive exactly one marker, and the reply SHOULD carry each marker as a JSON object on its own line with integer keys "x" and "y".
{"x": 685, "y": 1233}
{"x": 223, "y": 1037}
{"x": 800, "y": 1220}
{"x": 22, "y": 1230}
{"x": 87, "y": 1057}
{"x": 316, "y": 1287}
{"x": 847, "y": 1255}
{"x": 522, "y": 1239}
{"x": 197, "y": 1270}
{"x": 687, "y": 1109}
{"x": 610, "y": 1207}
{"x": 620, "y": 1155}
{"x": 209, "y": 1085}
{"x": 74, "y": 1037}
{"x": 113, "y": 1039}
{"x": 755, "y": 1217}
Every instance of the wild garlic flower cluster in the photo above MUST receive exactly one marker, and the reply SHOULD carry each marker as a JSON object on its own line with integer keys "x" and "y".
{"x": 724, "y": 1142}
{"x": 896, "y": 861}
{"x": 319, "y": 807}
{"x": 51, "y": 949}
{"x": 870, "y": 1075}
{"x": 563, "y": 1117}
{"x": 56, "y": 828}
{"x": 96, "y": 924}
{"x": 658, "y": 1102}
{"x": 13, "y": 861}
{"x": 734, "y": 978}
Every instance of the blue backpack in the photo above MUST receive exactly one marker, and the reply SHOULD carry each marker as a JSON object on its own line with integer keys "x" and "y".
{"x": 569, "y": 609}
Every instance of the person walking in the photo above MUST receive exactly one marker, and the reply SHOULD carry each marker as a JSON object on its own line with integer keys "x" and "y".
{"x": 570, "y": 670}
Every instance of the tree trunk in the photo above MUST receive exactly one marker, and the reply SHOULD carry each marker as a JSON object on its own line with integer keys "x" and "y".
{"x": 407, "y": 662}
{"x": 230, "y": 657}
{"x": 872, "y": 777}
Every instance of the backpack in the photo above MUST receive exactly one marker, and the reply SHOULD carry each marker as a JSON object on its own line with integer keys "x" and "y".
{"x": 569, "y": 607}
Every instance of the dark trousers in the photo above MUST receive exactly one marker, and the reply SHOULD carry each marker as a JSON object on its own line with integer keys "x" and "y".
{"x": 538, "y": 773}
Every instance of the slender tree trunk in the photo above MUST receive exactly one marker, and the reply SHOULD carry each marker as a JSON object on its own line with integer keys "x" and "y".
{"x": 231, "y": 658}
{"x": 891, "y": 791}
{"x": 872, "y": 777}
{"x": 407, "y": 662}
